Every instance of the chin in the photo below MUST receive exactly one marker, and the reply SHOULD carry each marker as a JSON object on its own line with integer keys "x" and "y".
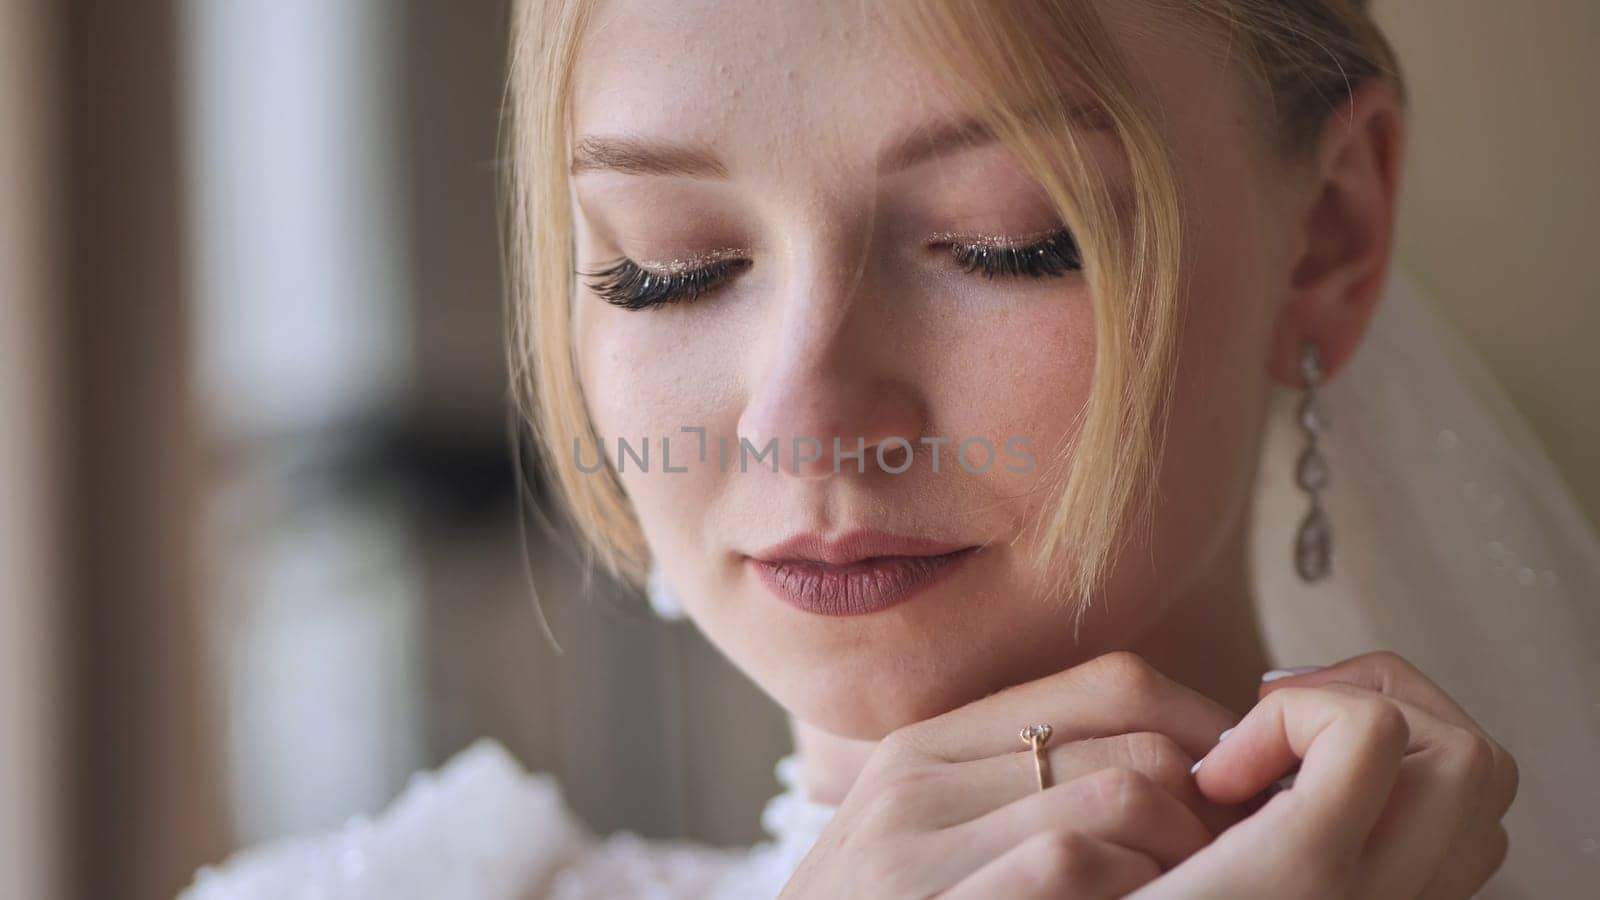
{"x": 868, "y": 699}
{"x": 861, "y": 721}
{"x": 863, "y": 677}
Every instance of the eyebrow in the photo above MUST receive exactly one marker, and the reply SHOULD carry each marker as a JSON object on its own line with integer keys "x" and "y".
{"x": 645, "y": 156}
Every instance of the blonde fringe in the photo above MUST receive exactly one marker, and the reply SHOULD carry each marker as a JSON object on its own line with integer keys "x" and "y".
{"x": 1113, "y": 456}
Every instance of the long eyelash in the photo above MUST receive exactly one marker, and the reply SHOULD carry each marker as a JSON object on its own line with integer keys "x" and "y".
{"x": 626, "y": 284}
{"x": 1052, "y": 257}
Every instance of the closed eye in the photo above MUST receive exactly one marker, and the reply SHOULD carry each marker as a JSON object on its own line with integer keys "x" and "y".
{"x": 1055, "y": 255}
{"x": 628, "y": 285}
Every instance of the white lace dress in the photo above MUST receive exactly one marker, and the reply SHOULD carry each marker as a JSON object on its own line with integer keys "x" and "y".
{"x": 482, "y": 828}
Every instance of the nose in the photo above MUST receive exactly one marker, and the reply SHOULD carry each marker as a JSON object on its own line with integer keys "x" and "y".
{"x": 834, "y": 396}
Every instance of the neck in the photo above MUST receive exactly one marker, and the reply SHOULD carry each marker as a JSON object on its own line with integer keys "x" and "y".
{"x": 1209, "y": 640}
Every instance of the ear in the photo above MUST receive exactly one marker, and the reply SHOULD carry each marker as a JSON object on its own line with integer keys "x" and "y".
{"x": 1345, "y": 232}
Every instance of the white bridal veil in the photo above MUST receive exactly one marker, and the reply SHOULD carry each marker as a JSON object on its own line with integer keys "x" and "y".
{"x": 1457, "y": 544}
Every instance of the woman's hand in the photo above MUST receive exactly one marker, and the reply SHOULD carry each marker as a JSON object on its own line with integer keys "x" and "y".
{"x": 951, "y": 806}
{"x": 1399, "y": 793}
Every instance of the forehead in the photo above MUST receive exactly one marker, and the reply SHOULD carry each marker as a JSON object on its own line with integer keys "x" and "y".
{"x": 812, "y": 91}
{"x": 760, "y": 81}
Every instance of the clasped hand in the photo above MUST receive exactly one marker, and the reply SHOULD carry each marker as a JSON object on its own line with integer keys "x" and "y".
{"x": 1397, "y": 794}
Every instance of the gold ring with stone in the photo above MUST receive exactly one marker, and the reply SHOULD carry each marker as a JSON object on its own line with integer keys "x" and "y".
{"x": 1036, "y": 736}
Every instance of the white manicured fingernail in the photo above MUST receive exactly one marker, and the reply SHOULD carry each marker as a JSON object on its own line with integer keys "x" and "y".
{"x": 1275, "y": 674}
{"x": 1220, "y": 738}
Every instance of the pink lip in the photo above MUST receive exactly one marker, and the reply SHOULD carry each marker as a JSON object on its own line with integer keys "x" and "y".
{"x": 857, "y": 573}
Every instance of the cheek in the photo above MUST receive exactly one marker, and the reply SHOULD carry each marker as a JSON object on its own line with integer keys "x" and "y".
{"x": 652, "y": 373}
{"x": 647, "y": 376}
{"x": 1210, "y": 461}
{"x": 1020, "y": 372}
{"x": 1039, "y": 365}
{"x": 1215, "y": 426}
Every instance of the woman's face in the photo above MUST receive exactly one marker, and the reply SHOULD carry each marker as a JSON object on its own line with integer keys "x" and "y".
{"x": 791, "y": 157}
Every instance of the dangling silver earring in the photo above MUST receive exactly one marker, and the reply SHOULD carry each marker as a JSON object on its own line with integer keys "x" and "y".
{"x": 1313, "y": 551}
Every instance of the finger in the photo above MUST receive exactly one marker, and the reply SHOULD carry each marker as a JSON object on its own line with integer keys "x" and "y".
{"x": 1348, "y": 745}
{"x": 1387, "y": 673}
{"x": 1434, "y": 793}
{"x": 971, "y": 789}
{"x": 1055, "y": 864}
{"x": 1116, "y": 805}
{"x": 1392, "y": 675}
{"x": 1306, "y": 840}
{"x": 1112, "y": 694}
{"x": 1480, "y": 851}
{"x": 1436, "y": 799}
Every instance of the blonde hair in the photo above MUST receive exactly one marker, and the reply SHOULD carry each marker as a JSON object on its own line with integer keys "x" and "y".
{"x": 1015, "y": 64}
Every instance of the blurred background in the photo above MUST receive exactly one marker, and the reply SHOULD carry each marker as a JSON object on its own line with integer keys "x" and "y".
{"x": 261, "y": 550}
